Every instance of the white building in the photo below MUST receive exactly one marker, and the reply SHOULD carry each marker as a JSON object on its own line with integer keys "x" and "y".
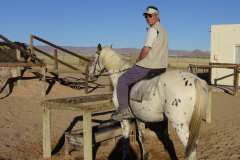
{"x": 225, "y": 48}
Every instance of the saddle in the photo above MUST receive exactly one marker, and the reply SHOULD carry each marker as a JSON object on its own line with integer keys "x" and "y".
{"x": 144, "y": 88}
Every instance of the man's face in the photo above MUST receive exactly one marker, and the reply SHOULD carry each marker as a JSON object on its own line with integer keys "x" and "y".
{"x": 151, "y": 19}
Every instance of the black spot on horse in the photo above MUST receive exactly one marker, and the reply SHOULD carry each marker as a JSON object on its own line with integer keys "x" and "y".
{"x": 186, "y": 83}
{"x": 190, "y": 84}
{"x": 176, "y": 103}
{"x": 179, "y": 100}
{"x": 165, "y": 101}
{"x": 164, "y": 84}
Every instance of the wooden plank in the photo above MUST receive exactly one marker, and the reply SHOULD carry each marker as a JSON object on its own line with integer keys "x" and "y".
{"x": 93, "y": 103}
{"x": 21, "y": 64}
{"x": 91, "y": 106}
{"x": 87, "y": 135}
{"x": 81, "y": 99}
{"x": 46, "y": 133}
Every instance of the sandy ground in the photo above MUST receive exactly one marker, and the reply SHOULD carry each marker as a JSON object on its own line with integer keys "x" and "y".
{"x": 21, "y": 127}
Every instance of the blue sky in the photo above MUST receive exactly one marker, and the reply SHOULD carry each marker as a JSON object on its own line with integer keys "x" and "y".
{"x": 120, "y": 23}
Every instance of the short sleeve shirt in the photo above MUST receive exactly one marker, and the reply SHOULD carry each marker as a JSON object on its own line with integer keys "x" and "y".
{"x": 150, "y": 37}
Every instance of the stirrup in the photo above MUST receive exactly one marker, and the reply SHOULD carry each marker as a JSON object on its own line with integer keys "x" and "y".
{"x": 122, "y": 114}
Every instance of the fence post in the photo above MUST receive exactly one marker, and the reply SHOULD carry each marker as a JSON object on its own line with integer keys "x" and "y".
{"x": 31, "y": 44}
{"x": 235, "y": 81}
{"x": 86, "y": 78}
{"x": 18, "y": 69}
{"x": 55, "y": 61}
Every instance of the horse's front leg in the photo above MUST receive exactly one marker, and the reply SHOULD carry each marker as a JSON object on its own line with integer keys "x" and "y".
{"x": 125, "y": 124}
{"x": 141, "y": 139}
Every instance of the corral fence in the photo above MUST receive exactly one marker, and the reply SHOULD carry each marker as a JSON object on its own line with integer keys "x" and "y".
{"x": 81, "y": 67}
{"x": 205, "y": 72}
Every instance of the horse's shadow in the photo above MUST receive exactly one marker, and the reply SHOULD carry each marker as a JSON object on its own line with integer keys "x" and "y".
{"x": 161, "y": 130}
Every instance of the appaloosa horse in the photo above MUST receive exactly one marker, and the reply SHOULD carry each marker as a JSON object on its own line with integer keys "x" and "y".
{"x": 178, "y": 95}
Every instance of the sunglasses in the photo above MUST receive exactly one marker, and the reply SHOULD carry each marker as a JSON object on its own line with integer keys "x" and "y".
{"x": 148, "y": 15}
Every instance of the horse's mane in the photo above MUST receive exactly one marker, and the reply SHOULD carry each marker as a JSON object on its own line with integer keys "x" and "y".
{"x": 115, "y": 60}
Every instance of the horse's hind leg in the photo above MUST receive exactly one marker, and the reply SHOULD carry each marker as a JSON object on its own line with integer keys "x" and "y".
{"x": 141, "y": 139}
{"x": 161, "y": 130}
{"x": 125, "y": 124}
{"x": 183, "y": 133}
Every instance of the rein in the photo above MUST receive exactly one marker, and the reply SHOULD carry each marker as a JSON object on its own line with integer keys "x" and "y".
{"x": 112, "y": 73}
{"x": 104, "y": 69}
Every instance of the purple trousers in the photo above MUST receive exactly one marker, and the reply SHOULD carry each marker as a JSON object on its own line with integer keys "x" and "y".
{"x": 129, "y": 78}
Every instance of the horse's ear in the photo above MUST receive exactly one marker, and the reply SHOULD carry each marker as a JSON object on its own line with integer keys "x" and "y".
{"x": 99, "y": 47}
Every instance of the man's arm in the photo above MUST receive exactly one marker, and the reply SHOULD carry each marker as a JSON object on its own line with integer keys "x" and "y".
{"x": 144, "y": 52}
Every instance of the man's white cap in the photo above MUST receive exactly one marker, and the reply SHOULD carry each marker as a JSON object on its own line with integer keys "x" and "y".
{"x": 151, "y": 10}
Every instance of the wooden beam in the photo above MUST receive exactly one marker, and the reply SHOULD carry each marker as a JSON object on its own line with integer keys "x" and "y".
{"x": 21, "y": 64}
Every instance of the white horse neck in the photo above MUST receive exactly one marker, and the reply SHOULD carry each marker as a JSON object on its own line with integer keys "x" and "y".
{"x": 113, "y": 61}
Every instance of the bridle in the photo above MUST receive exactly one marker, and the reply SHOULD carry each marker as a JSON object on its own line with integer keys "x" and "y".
{"x": 102, "y": 70}
{"x": 97, "y": 63}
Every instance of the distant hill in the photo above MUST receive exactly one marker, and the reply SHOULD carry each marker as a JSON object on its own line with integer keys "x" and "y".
{"x": 92, "y": 50}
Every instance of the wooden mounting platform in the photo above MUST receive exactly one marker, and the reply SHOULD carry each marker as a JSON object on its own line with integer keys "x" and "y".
{"x": 86, "y": 105}
{"x": 101, "y": 133}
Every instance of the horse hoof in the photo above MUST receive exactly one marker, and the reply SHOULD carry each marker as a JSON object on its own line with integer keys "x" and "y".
{"x": 146, "y": 156}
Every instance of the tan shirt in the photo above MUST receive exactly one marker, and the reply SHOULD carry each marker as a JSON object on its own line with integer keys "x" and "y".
{"x": 157, "y": 40}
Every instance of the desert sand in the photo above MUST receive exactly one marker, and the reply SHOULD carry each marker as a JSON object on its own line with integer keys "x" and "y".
{"x": 21, "y": 127}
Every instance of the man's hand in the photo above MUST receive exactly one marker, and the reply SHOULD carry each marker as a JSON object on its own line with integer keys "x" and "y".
{"x": 144, "y": 52}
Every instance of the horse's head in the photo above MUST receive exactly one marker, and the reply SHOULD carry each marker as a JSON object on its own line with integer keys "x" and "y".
{"x": 97, "y": 67}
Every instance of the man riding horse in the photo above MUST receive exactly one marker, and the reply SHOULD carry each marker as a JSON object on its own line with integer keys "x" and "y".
{"x": 151, "y": 61}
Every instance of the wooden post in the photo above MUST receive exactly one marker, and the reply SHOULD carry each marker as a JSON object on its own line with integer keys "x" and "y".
{"x": 56, "y": 61}
{"x": 43, "y": 79}
{"x": 86, "y": 78}
{"x": 31, "y": 45}
{"x": 46, "y": 133}
{"x": 209, "y": 107}
{"x": 235, "y": 81}
{"x": 18, "y": 69}
{"x": 87, "y": 135}
{"x": 210, "y": 73}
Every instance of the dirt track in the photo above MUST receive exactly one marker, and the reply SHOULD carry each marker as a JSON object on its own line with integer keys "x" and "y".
{"x": 21, "y": 127}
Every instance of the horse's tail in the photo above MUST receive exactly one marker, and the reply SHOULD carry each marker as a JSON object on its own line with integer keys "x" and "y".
{"x": 198, "y": 112}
